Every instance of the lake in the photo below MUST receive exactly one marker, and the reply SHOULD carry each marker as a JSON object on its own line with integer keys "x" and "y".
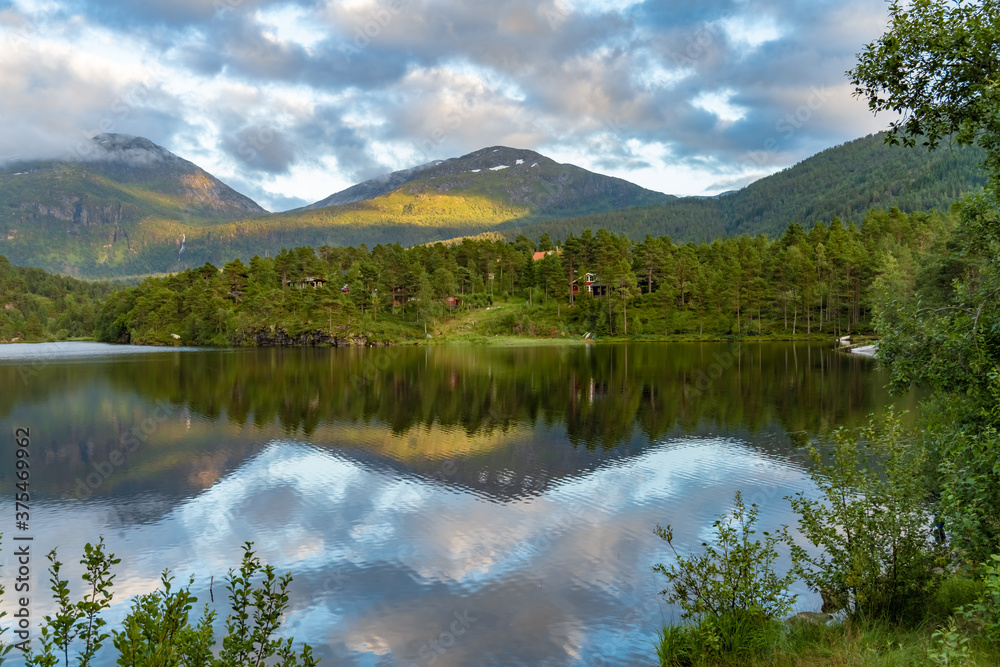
{"x": 447, "y": 505}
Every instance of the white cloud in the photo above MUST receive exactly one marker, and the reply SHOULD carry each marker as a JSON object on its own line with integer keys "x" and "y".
{"x": 718, "y": 102}
{"x": 292, "y": 24}
{"x": 440, "y": 78}
{"x": 750, "y": 33}
{"x": 597, "y": 6}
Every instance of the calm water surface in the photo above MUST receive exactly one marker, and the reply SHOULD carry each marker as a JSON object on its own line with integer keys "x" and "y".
{"x": 446, "y": 505}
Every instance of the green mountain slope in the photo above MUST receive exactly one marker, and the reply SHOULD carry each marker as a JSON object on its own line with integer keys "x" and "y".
{"x": 82, "y": 217}
{"x": 141, "y": 210}
{"x": 845, "y": 181}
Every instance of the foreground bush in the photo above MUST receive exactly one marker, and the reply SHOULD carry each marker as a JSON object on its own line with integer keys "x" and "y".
{"x": 158, "y": 631}
{"x": 871, "y": 530}
{"x": 731, "y": 591}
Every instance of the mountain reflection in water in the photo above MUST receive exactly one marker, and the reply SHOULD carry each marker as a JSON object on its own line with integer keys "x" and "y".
{"x": 454, "y": 505}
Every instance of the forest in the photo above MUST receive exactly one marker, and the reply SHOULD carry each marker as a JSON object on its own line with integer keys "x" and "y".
{"x": 822, "y": 282}
{"x": 37, "y": 305}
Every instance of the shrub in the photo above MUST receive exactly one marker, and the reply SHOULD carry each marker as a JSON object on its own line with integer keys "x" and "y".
{"x": 734, "y": 575}
{"x": 970, "y": 494}
{"x": 78, "y": 620}
{"x": 872, "y": 526}
{"x": 985, "y": 611}
{"x": 950, "y": 647}
{"x": 157, "y": 631}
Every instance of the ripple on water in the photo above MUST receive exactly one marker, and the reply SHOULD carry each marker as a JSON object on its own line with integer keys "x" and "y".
{"x": 44, "y": 352}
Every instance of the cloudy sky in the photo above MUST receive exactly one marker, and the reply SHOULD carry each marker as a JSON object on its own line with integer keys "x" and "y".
{"x": 289, "y": 101}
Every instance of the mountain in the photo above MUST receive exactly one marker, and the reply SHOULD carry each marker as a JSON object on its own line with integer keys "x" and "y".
{"x": 519, "y": 177}
{"x": 74, "y": 216}
{"x": 134, "y": 209}
{"x": 845, "y": 181}
{"x": 371, "y": 189}
{"x": 123, "y": 171}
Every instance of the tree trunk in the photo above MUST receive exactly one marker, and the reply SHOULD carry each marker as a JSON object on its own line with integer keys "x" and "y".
{"x": 571, "y": 282}
{"x": 738, "y": 326}
{"x": 611, "y": 315}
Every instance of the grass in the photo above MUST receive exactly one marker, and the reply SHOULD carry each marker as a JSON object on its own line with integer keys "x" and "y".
{"x": 512, "y": 321}
{"x": 740, "y": 640}
{"x": 510, "y": 341}
{"x": 835, "y": 645}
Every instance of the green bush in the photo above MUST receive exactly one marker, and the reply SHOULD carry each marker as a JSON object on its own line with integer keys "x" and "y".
{"x": 872, "y": 526}
{"x": 734, "y": 575}
{"x": 731, "y": 590}
{"x": 157, "y": 631}
{"x": 734, "y": 636}
{"x": 985, "y": 611}
{"x": 970, "y": 493}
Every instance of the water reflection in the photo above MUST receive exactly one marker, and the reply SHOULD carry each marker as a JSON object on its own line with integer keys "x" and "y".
{"x": 464, "y": 506}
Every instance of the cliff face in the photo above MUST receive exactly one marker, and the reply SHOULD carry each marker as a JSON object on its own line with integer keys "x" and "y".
{"x": 76, "y": 210}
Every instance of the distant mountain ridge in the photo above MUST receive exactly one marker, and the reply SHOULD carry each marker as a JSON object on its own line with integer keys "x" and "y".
{"x": 121, "y": 168}
{"x": 84, "y": 216}
{"x": 128, "y": 208}
{"x": 845, "y": 181}
{"x": 507, "y": 171}
{"x": 135, "y": 160}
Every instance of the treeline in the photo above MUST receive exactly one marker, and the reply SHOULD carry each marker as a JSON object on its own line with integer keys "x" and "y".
{"x": 821, "y": 281}
{"x": 36, "y": 305}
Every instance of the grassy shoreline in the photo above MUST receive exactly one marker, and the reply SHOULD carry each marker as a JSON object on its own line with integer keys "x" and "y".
{"x": 846, "y": 644}
{"x": 507, "y": 340}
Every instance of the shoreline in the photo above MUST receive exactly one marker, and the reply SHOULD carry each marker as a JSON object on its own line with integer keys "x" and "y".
{"x": 361, "y": 340}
